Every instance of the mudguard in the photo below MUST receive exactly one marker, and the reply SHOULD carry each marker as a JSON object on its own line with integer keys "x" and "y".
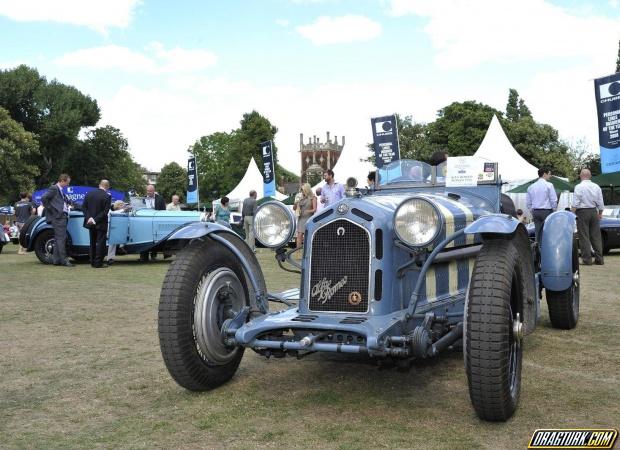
{"x": 34, "y": 230}
{"x": 556, "y": 251}
{"x": 244, "y": 254}
{"x": 493, "y": 223}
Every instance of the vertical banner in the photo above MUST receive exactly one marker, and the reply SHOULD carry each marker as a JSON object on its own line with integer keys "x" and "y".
{"x": 607, "y": 91}
{"x": 385, "y": 138}
{"x": 269, "y": 180}
{"x": 192, "y": 180}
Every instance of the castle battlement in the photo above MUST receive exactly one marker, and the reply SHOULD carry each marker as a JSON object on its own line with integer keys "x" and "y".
{"x": 317, "y": 156}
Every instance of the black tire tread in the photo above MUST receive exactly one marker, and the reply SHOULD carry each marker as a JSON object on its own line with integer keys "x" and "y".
{"x": 39, "y": 243}
{"x": 487, "y": 351}
{"x": 176, "y": 338}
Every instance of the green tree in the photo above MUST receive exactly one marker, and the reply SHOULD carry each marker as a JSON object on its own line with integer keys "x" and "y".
{"x": 213, "y": 163}
{"x": 172, "y": 180}
{"x": 17, "y": 147}
{"x": 254, "y": 129}
{"x": 460, "y": 127}
{"x": 53, "y": 111}
{"x": 104, "y": 154}
{"x": 516, "y": 108}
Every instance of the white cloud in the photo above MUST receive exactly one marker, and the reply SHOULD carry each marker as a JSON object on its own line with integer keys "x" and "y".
{"x": 157, "y": 59}
{"x": 108, "y": 57}
{"x": 283, "y": 22}
{"x": 337, "y": 30}
{"x": 97, "y": 15}
{"x": 465, "y": 34}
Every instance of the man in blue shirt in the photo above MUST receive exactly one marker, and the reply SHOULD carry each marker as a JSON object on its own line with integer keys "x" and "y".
{"x": 332, "y": 191}
{"x": 541, "y": 200}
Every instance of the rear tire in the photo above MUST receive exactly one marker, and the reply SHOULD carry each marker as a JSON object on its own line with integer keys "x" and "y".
{"x": 564, "y": 305}
{"x": 492, "y": 349}
{"x": 204, "y": 286}
{"x": 44, "y": 246}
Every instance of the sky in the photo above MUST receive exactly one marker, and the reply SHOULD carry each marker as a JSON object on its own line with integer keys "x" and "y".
{"x": 166, "y": 73}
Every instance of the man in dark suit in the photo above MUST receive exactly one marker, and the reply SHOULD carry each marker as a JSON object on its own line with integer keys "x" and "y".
{"x": 96, "y": 207}
{"x": 57, "y": 213}
{"x": 152, "y": 201}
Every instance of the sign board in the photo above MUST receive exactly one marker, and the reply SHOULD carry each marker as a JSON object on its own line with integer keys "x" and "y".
{"x": 77, "y": 193}
{"x": 469, "y": 171}
{"x": 607, "y": 92}
{"x": 269, "y": 180}
{"x": 192, "y": 180}
{"x": 385, "y": 138}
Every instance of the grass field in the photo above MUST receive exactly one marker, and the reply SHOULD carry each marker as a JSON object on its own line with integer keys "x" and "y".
{"x": 80, "y": 367}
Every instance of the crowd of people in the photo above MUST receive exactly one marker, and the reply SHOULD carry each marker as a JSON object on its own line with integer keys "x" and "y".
{"x": 541, "y": 201}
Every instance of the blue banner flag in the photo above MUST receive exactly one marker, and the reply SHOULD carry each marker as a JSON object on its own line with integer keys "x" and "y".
{"x": 192, "y": 180}
{"x": 269, "y": 179}
{"x": 77, "y": 193}
{"x": 385, "y": 138}
{"x": 607, "y": 92}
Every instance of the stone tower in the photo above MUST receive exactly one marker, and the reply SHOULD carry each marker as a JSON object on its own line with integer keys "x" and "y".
{"x": 317, "y": 157}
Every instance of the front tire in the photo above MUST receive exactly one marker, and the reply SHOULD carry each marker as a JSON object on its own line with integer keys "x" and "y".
{"x": 493, "y": 330}
{"x": 203, "y": 287}
{"x": 44, "y": 246}
{"x": 564, "y": 305}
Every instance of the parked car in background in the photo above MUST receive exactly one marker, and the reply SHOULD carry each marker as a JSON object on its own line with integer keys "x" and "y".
{"x": 137, "y": 230}
{"x": 399, "y": 273}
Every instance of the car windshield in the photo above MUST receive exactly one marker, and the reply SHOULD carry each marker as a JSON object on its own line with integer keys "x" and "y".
{"x": 405, "y": 171}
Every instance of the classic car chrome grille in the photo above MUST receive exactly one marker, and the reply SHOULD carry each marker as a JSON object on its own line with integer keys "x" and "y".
{"x": 339, "y": 268}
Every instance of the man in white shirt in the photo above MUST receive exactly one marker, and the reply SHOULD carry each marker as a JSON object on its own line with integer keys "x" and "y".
{"x": 174, "y": 205}
{"x": 541, "y": 200}
{"x": 331, "y": 192}
{"x": 588, "y": 205}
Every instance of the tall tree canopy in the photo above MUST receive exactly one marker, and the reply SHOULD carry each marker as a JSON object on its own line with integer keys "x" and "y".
{"x": 222, "y": 158}
{"x": 104, "y": 154}
{"x": 17, "y": 147}
{"x": 461, "y": 126}
{"x": 172, "y": 180}
{"x": 53, "y": 111}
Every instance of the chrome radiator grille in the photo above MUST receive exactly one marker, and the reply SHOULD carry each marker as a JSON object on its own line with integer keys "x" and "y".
{"x": 339, "y": 268}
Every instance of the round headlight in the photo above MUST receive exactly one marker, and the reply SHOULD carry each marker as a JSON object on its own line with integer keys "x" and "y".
{"x": 274, "y": 224}
{"x": 417, "y": 222}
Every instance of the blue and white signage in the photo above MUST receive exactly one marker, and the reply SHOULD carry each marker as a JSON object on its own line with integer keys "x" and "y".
{"x": 192, "y": 180}
{"x": 385, "y": 138}
{"x": 77, "y": 193}
{"x": 269, "y": 180}
{"x": 607, "y": 92}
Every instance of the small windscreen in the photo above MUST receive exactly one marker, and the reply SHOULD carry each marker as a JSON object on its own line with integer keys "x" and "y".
{"x": 405, "y": 171}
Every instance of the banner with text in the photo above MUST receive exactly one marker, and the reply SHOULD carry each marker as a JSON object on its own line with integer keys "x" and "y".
{"x": 77, "y": 193}
{"x": 385, "y": 138}
{"x": 607, "y": 91}
{"x": 269, "y": 179}
{"x": 192, "y": 180}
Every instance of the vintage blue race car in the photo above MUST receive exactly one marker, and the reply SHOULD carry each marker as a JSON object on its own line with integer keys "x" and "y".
{"x": 397, "y": 273}
{"x": 137, "y": 231}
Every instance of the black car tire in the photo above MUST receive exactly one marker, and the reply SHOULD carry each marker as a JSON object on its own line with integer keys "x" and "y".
{"x": 196, "y": 279}
{"x": 44, "y": 245}
{"x": 492, "y": 352}
{"x": 606, "y": 249}
{"x": 564, "y": 305}
{"x": 26, "y": 230}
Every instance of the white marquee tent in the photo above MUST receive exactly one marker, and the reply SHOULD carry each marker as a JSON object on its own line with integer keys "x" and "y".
{"x": 496, "y": 147}
{"x": 252, "y": 179}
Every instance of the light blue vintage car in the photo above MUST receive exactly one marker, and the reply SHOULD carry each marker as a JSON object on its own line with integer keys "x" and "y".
{"x": 397, "y": 273}
{"x": 138, "y": 230}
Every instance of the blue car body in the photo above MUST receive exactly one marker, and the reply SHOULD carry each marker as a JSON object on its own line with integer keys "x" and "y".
{"x": 137, "y": 231}
{"x": 366, "y": 289}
